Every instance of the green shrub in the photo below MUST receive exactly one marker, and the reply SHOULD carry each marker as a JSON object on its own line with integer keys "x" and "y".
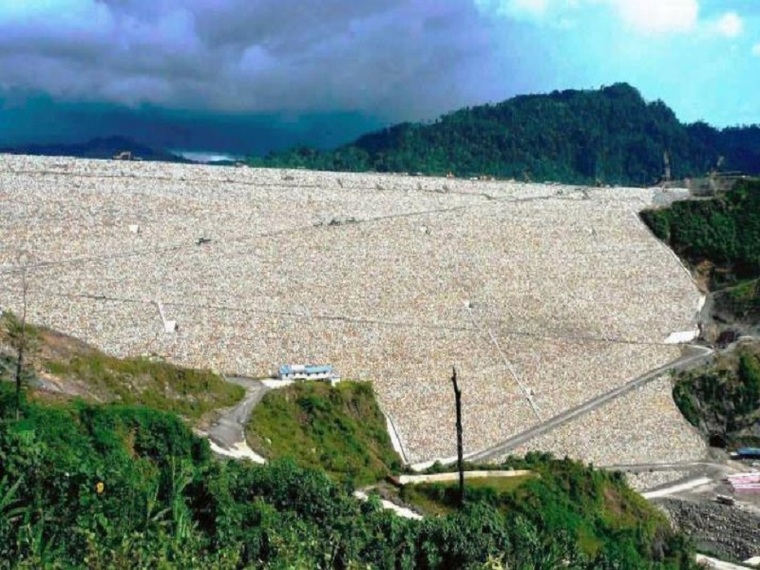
{"x": 724, "y": 231}
{"x": 87, "y": 486}
{"x": 340, "y": 429}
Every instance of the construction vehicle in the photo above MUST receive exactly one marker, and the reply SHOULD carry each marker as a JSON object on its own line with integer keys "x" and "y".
{"x": 725, "y": 500}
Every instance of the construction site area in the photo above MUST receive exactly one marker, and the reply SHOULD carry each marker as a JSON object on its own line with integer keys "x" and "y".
{"x": 546, "y": 298}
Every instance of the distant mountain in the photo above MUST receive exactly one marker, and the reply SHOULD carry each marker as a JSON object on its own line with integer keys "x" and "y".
{"x": 611, "y": 136}
{"x": 33, "y": 117}
{"x": 106, "y": 147}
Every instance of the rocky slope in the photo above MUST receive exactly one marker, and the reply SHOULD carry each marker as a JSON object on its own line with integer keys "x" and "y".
{"x": 728, "y": 532}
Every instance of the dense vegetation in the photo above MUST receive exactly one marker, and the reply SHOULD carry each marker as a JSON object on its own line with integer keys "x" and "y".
{"x": 609, "y": 136}
{"x": 592, "y": 508}
{"x": 126, "y": 486}
{"x": 719, "y": 238}
{"x": 723, "y": 400}
{"x": 724, "y": 231}
{"x": 129, "y": 487}
{"x": 340, "y": 430}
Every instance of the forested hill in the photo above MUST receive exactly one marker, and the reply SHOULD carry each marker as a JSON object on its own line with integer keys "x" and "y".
{"x": 610, "y": 136}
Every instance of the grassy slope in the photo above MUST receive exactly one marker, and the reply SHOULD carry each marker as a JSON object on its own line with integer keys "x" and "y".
{"x": 597, "y": 507}
{"x": 94, "y": 375}
{"x": 340, "y": 429}
{"x": 742, "y": 301}
{"x": 154, "y": 477}
{"x": 438, "y": 498}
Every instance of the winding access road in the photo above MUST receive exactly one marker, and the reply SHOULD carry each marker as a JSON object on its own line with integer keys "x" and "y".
{"x": 227, "y": 434}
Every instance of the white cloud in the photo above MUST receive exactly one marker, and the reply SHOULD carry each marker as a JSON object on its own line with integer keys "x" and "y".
{"x": 658, "y": 16}
{"x": 641, "y": 16}
{"x": 532, "y": 9}
{"x": 729, "y": 25}
{"x": 756, "y": 50}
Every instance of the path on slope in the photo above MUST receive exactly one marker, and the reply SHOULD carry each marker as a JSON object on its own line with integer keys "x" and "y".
{"x": 685, "y": 362}
{"x": 227, "y": 434}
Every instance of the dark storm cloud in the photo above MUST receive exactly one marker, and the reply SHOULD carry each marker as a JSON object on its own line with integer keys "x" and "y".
{"x": 390, "y": 57}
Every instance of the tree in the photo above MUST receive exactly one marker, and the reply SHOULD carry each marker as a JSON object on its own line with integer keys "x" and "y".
{"x": 19, "y": 333}
{"x": 612, "y": 135}
{"x": 460, "y": 459}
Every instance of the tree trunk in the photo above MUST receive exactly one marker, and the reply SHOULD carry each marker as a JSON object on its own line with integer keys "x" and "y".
{"x": 19, "y": 367}
{"x": 460, "y": 449}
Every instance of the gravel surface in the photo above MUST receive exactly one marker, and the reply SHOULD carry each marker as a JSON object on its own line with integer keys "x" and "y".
{"x": 645, "y": 481}
{"x": 644, "y": 426}
{"x": 370, "y": 273}
{"x": 726, "y": 531}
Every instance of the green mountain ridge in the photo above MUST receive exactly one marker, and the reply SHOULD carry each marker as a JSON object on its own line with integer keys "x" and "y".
{"x": 611, "y": 136}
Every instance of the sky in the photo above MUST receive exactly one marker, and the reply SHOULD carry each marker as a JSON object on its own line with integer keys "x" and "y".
{"x": 323, "y": 72}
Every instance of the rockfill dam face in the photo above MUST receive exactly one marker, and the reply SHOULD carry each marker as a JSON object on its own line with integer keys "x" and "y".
{"x": 542, "y": 296}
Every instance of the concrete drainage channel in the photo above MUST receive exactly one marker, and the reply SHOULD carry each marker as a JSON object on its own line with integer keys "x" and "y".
{"x": 434, "y": 478}
{"x": 399, "y": 510}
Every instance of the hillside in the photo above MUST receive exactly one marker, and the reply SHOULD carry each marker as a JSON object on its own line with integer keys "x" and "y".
{"x": 592, "y": 509}
{"x": 608, "y": 136}
{"x": 723, "y": 400}
{"x": 340, "y": 430}
{"x": 130, "y": 486}
{"x": 720, "y": 240}
{"x": 113, "y": 486}
{"x": 64, "y": 365}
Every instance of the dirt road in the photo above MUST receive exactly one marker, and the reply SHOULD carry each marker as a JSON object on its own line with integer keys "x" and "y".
{"x": 227, "y": 434}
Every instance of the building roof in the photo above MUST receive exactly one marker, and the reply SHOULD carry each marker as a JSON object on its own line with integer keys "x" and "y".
{"x": 305, "y": 369}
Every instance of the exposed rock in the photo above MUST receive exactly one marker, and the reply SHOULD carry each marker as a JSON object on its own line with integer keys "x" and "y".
{"x": 728, "y": 532}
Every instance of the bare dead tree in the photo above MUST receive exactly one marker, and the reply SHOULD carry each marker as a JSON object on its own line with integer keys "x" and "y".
{"x": 460, "y": 449}
{"x": 18, "y": 333}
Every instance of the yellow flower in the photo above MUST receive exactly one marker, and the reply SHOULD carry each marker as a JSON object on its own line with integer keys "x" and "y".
{"x": 100, "y": 487}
